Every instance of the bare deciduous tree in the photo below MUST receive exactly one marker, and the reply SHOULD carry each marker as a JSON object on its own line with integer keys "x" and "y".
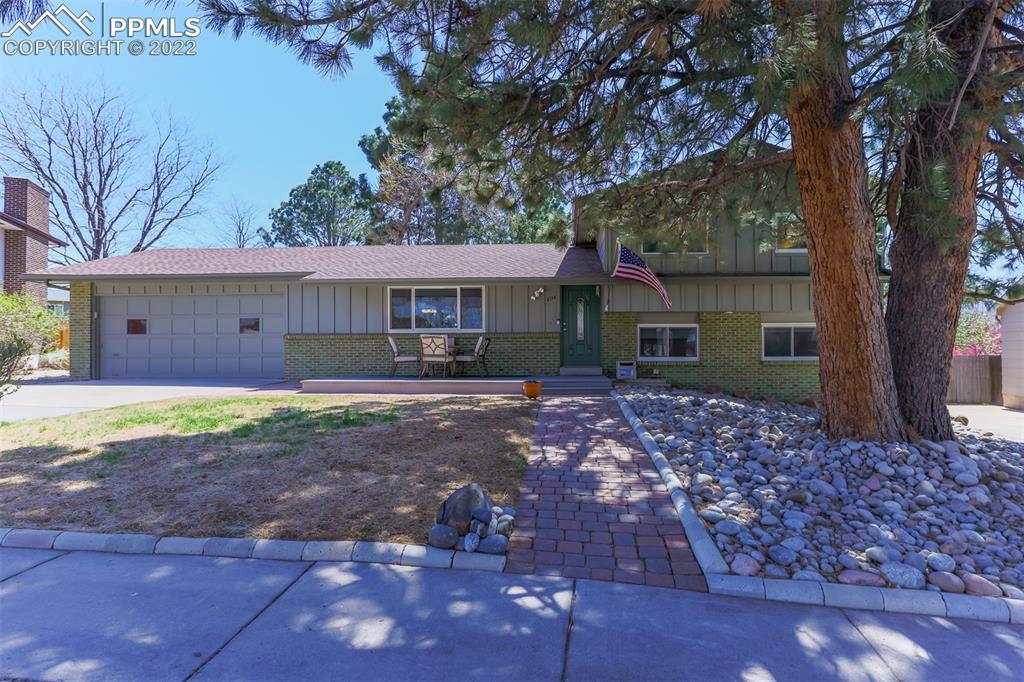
{"x": 240, "y": 223}
{"x": 114, "y": 186}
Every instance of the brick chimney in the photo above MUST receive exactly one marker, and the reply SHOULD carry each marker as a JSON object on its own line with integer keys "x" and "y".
{"x": 23, "y": 251}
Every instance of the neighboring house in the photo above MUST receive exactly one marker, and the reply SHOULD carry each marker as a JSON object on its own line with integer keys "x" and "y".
{"x": 25, "y": 238}
{"x": 741, "y": 317}
{"x": 1012, "y": 318}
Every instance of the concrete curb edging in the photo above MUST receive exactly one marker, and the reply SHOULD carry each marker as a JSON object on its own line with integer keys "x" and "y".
{"x": 394, "y": 553}
{"x": 720, "y": 581}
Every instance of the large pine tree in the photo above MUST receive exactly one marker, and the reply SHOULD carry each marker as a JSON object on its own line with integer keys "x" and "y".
{"x": 943, "y": 148}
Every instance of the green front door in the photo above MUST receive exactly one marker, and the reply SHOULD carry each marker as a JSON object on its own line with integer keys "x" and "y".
{"x": 581, "y": 326}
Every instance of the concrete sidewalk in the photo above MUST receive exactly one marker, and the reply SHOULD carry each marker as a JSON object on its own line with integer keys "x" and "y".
{"x": 39, "y": 400}
{"x": 83, "y": 615}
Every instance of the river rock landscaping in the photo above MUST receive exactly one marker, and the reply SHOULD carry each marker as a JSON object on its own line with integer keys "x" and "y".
{"x": 469, "y": 521}
{"x": 781, "y": 500}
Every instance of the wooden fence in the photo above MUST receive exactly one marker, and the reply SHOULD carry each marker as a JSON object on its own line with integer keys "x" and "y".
{"x": 976, "y": 379}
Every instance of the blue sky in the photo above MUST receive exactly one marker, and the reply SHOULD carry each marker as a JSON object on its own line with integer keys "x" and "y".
{"x": 269, "y": 118}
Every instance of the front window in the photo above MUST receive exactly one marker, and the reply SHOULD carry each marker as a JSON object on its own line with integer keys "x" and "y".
{"x": 437, "y": 309}
{"x": 432, "y": 308}
{"x": 790, "y": 342}
{"x": 668, "y": 342}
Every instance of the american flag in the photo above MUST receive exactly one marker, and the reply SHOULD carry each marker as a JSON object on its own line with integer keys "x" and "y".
{"x": 628, "y": 265}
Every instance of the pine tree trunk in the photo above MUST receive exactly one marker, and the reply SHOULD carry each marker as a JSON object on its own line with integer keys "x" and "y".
{"x": 935, "y": 228}
{"x": 858, "y": 392}
{"x": 929, "y": 258}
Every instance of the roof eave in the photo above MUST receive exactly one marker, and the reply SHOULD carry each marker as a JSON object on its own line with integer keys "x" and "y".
{"x": 57, "y": 276}
{"x": 9, "y": 222}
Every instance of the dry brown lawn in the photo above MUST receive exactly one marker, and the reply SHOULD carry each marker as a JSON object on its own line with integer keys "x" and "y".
{"x": 297, "y": 467}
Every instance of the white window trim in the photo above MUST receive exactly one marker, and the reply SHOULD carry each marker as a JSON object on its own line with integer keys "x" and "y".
{"x": 660, "y": 325}
{"x": 787, "y": 358}
{"x": 458, "y": 307}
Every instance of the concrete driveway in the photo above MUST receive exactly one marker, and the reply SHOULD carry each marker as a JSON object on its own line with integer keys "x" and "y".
{"x": 90, "y": 616}
{"x": 1000, "y": 421}
{"x": 34, "y": 401}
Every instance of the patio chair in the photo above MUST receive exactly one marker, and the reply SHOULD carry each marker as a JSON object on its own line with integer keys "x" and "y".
{"x": 479, "y": 353}
{"x": 397, "y": 357}
{"x": 434, "y": 351}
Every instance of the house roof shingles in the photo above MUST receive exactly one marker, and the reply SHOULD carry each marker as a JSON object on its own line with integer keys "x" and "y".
{"x": 346, "y": 263}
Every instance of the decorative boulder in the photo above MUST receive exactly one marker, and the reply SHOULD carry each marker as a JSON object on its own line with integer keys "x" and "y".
{"x": 457, "y": 510}
{"x": 493, "y": 544}
{"x": 443, "y": 536}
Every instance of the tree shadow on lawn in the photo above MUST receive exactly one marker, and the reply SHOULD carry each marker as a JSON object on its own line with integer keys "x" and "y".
{"x": 361, "y": 470}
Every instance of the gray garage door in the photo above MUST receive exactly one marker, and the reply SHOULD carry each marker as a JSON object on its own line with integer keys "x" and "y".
{"x": 192, "y": 336}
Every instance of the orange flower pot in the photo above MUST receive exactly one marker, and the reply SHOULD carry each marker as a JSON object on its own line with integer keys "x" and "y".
{"x": 531, "y": 389}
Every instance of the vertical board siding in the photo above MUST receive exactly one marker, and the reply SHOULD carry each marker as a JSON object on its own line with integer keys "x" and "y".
{"x": 294, "y": 308}
{"x": 342, "y": 309}
{"x": 375, "y": 305}
{"x": 357, "y": 311}
{"x": 501, "y": 311}
{"x": 310, "y": 308}
{"x": 520, "y": 307}
{"x": 711, "y": 296}
{"x": 325, "y": 310}
{"x": 780, "y": 296}
{"x": 800, "y": 296}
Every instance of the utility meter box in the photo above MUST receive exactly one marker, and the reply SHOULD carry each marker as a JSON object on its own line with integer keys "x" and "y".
{"x": 625, "y": 370}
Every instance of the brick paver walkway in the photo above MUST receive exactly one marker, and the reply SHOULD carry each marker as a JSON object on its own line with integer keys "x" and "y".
{"x": 593, "y": 506}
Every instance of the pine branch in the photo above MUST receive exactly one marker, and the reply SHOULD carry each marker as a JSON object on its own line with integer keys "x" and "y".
{"x": 722, "y": 177}
{"x": 975, "y": 59}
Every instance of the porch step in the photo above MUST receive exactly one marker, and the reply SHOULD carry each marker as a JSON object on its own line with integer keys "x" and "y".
{"x": 580, "y": 371}
{"x": 577, "y": 385}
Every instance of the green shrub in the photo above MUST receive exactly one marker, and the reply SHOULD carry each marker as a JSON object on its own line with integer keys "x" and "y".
{"x": 25, "y": 328}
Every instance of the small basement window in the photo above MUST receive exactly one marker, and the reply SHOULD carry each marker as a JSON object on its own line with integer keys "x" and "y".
{"x": 789, "y": 342}
{"x": 249, "y": 325}
{"x": 668, "y": 342}
{"x": 136, "y": 326}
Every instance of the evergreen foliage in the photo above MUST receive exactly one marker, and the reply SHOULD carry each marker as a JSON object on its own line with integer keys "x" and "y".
{"x": 326, "y": 210}
{"x": 534, "y": 98}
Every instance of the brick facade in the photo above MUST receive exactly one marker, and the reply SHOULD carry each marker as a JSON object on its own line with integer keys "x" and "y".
{"x": 322, "y": 355}
{"x": 730, "y": 358}
{"x": 24, "y": 252}
{"x": 80, "y": 320}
